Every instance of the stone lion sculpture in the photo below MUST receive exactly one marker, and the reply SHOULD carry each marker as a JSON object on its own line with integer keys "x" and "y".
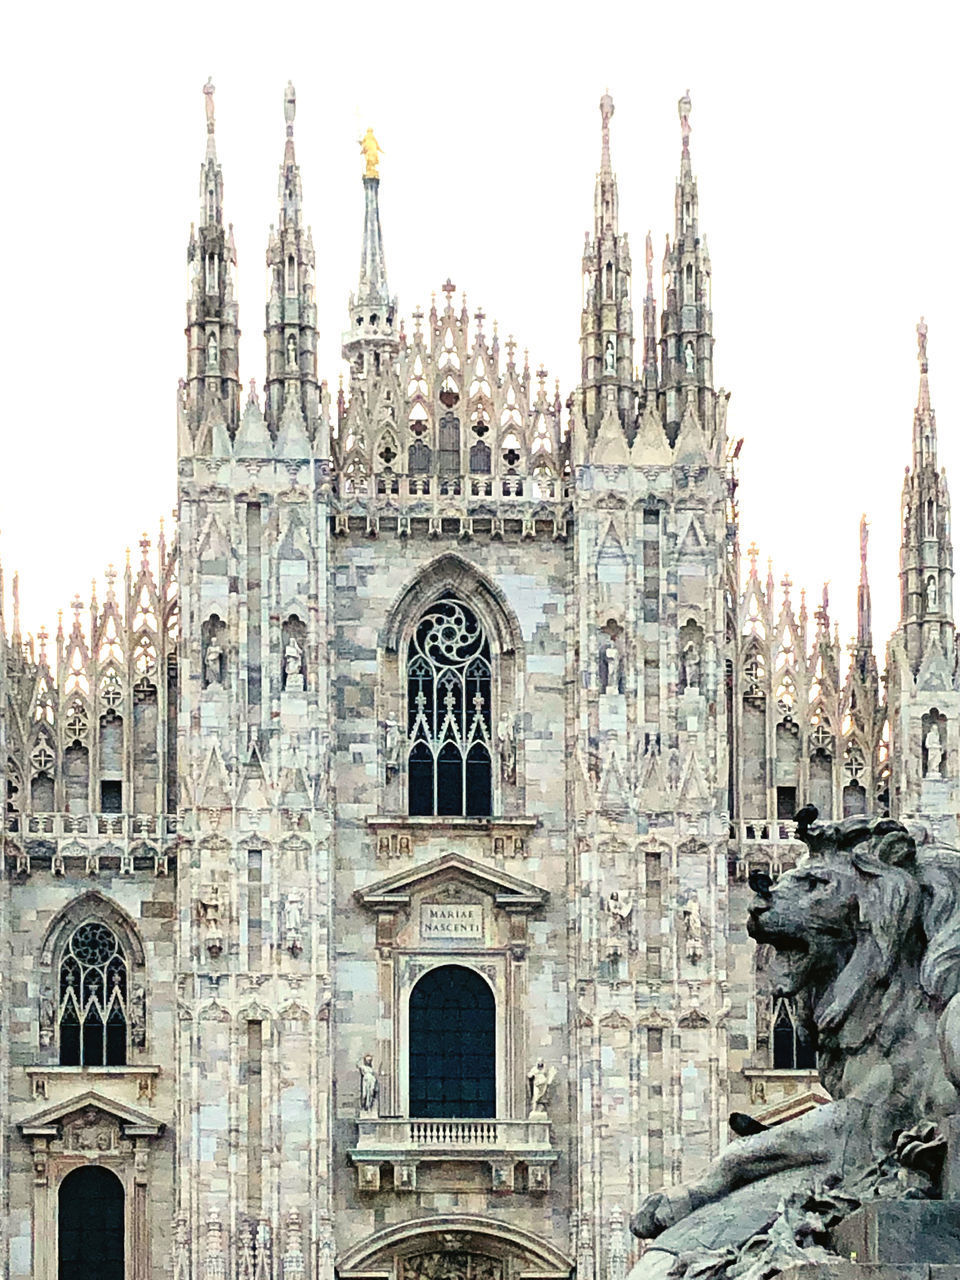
{"x": 865, "y": 937}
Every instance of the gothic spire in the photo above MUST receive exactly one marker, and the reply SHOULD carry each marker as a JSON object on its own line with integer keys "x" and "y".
{"x": 926, "y": 549}
{"x": 372, "y": 333}
{"x": 686, "y": 322}
{"x": 211, "y": 390}
{"x": 606, "y": 327}
{"x": 650, "y": 378}
{"x": 292, "y": 387}
{"x": 864, "y": 612}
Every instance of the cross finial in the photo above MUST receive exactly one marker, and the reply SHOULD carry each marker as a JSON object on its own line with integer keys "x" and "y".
{"x": 753, "y": 551}
{"x": 76, "y": 604}
{"x": 449, "y": 288}
{"x": 145, "y": 549}
{"x": 479, "y": 315}
{"x": 511, "y": 345}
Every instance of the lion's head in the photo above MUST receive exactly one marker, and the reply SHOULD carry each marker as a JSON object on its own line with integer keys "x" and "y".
{"x": 859, "y": 908}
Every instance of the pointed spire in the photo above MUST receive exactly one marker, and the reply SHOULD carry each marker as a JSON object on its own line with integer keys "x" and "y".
{"x": 924, "y": 419}
{"x": 291, "y": 330}
{"x": 606, "y": 197}
{"x": 650, "y": 378}
{"x": 372, "y": 337}
{"x": 926, "y": 549}
{"x": 290, "y": 192}
{"x": 686, "y": 321}
{"x": 864, "y": 622}
{"x": 606, "y": 326}
{"x": 16, "y": 637}
{"x": 212, "y": 383}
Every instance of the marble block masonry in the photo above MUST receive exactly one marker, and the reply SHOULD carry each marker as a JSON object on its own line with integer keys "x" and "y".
{"x": 376, "y": 844}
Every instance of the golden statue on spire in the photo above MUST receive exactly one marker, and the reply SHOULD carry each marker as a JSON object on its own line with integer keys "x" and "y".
{"x": 372, "y": 151}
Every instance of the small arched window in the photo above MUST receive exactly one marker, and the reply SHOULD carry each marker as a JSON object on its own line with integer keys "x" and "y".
{"x": 449, "y": 718}
{"x": 291, "y": 274}
{"x": 452, "y": 1045}
{"x": 93, "y": 998}
{"x": 793, "y": 1046}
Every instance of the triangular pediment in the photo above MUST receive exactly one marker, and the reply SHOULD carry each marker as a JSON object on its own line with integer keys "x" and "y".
{"x": 508, "y": 890}
{"x": 134, "y": 1123}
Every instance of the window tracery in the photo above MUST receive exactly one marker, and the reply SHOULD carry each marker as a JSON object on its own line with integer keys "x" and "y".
{"x": 793, "y": 1046}
{"x": 93, "y": 998}
{"x": 449, "y": 688}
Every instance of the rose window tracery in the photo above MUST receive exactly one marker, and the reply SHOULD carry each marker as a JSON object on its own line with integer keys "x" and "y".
{"x": 449, "y": 717}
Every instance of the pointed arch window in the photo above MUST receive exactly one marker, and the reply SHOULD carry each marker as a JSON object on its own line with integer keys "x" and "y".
{"x": 794, "y": 1048}
{"x": 449, "y": 687}
{"x": 93, "y": 998}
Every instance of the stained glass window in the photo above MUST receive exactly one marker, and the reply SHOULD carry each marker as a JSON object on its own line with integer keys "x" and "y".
{"x": 93, "y": 999}
{"x": 448, "y": 715}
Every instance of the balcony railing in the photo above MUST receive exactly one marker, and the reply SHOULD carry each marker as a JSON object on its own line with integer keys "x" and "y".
{"x": 429, "y": 1137}
{"x": 502, "y": 1144}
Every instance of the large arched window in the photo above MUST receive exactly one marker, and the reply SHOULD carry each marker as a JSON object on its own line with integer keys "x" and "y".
{"x": 91, "y": 1225}
{"x": 452, "y": 1045}
{"x": 448, "y": 713}
{"x": 93, "y": 998}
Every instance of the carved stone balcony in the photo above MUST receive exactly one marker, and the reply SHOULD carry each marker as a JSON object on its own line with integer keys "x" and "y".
{"x": 501, "y": 1144}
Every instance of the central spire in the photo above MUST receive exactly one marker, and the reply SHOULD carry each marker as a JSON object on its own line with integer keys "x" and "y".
{"x": 371, "y": 338}
{"x": 291, "y": 193}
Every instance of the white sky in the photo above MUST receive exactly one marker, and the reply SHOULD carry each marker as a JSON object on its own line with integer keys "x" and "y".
{"x": 824, "y": 139}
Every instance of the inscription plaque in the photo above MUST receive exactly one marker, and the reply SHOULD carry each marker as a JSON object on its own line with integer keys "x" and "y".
{"x": 454, "y": 921}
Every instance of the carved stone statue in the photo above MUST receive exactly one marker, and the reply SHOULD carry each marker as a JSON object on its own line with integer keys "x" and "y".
{"x": 208, "y": 910}
{"x": 612, "y": 655}
{"x": 47, "y": 1017}
{"x": 539, "y": 1082}
{"x": 391, "y": 748}
{"x": 692, "y": 928}
{"x": 212, "y": 661}
{"x": 507, "y": 746}
{"x": 291, "y": 352}
{"x": 689, "y": 358}
{"x": 864, "y": 935}
{"x": 618, "y": 908}
{"x": 293, "y": 922}
{"x": 369, "y": 1086}
{"x": 293, "y": 665}
{"x": 138, "y": 1018}
{"x": 690, "y": 659}
{"x": 934, "y": 750}
{"x": 609, "y": 358}
{"x": 372, "y": 151}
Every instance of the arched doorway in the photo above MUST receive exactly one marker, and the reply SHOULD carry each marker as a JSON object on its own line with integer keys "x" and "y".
{"x": 453, "y": 1048}
{"x": 91, "y": 1225}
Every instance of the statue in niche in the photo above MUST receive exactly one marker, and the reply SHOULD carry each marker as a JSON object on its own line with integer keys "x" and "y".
{"x": 369, "y": 1086}
{"x": 47, "y": 1017}
{"x": 932, "y": 594}
{"x": 213, "y": 352}
{"x": 291, "y": 352}
{"x": 539, "y": 1083}
{"x": 610, "y": 660}
{"x": 618, "y": 908}
{"x": 689, "y": 358}
{"x": 507, "y": 746}
{"x": 208, "y": 910}
{"x": 934, "y": 749}
{"x": 391, "y": 748}
{"x": 213, "y": 652}
{"x": 294, "y": 640}
{"x": 692, "y": 928}
{"x": 691, "y": 665}
{"x": 138, "y": 1018}
{"x": 293, "y": 922}
{"x": 609, "y": 358}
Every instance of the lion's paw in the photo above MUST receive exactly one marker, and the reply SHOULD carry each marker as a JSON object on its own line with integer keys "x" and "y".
{"x": 658, "y": 1211}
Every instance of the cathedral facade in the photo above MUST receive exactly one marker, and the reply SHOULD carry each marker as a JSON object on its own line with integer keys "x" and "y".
{"x": 376, "y": 849}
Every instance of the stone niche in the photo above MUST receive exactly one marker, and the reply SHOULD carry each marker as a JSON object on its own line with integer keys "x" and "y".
{"x": 453, "y": 911}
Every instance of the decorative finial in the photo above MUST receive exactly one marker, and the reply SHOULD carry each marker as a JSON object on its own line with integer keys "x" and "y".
{"x": 290, "y": 107}
{"x": 684, "y": 107}
{"x": 864, "y": 534}
{"x": 372, "y": 151}
{"x": 649, "y": 249}
{"x": 606, "y": 113}
{"x": 922, "y": 344}
{"x": 208, "y": 92}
